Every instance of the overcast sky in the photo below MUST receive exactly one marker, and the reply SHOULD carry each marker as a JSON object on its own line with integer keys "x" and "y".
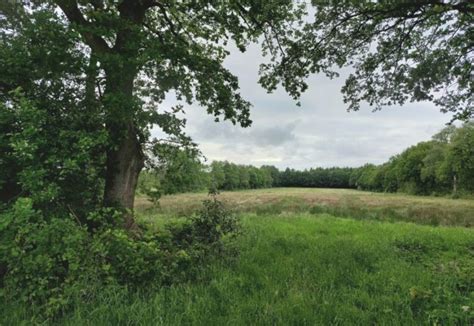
{"x": 319, "y": 133}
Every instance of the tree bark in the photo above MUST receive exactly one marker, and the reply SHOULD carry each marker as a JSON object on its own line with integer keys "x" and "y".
{"x": 125, "y": 159}
{"x": 123, "y": 168}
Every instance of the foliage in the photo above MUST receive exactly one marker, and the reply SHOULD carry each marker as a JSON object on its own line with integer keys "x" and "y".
{"x": 363, "y": 272}
{"x": 183, "y": 172}
{"x": 52, "y": 150}
{"x": 80, "y": 87}
{"x": 440, "y": 166}
{"x": 44, "y": 260}
{"x": 172, "y": 169}
{"x": 316, "y": 177}
{"x": 47, "y": 260}
{"x": 401, "y": 51}
{"x": 214, "y": 222}
{"x": 230, "y": 176}
{"x": 81, "y": 84}
{"x": 460, "y": 156}
{"x": 9, "y": 187}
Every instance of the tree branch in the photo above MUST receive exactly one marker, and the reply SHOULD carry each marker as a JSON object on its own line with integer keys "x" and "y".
{"x": 72, "y": 12}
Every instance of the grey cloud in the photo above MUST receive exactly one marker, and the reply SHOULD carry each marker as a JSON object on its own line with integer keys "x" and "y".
{"x": 274, "y": 136}
{"x": 261, "y": 136}
{"x": 320, "y": 133}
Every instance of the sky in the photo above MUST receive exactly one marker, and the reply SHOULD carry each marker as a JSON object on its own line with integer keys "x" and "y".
{"x": 320, "y": 133}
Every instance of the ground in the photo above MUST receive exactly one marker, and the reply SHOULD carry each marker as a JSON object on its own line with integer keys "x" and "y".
{"x": 308, "y": 269}
{"x": 313, "y": 257}
{"x": 339, "y": 202}
{"x": 330, "y": 256}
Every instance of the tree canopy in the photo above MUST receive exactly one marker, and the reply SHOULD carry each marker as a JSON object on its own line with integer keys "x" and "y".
{"x": 94, "y": 73}
{"x": 400, "y": 51}
{"x": 83, "y": 82}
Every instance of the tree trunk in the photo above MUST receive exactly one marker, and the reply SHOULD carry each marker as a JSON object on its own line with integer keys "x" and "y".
{"x": 455, "y": 185}
{"x": 125, "y": 159}
{"x": 123, "y": 167}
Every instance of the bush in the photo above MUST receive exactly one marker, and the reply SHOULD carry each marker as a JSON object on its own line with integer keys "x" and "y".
{"x": 206, "y": 234}
{"x": 42, "y": 259}
{"x": 47, "y": 260}
{"x": 214, "y": 222}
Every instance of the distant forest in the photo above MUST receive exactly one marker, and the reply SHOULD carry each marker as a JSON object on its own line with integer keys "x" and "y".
{"x": 443, "y": 165}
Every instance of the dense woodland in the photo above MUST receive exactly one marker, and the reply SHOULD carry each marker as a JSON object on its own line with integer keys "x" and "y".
{"x": 443, "y": 165}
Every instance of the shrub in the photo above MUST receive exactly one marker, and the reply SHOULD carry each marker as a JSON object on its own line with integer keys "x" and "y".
{"x": 42, "y": 258}
{"x": 214, "y": 222}
{"x": 48, "y": 260}
{"x": 154, "y": 194}
{"x": 208, "y": 231}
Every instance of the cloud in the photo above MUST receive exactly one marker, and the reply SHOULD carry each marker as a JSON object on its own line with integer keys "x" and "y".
{"x": 319, "y": 133}
{"x": 274, "y": 136}
{"x": 261, "y": 137}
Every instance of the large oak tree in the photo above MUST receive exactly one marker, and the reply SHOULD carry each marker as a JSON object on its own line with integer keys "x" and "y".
{"x": 128, "y": 56}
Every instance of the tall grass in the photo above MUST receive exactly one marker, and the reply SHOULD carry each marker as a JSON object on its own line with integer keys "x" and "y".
{"x": 338, "y": 202}
{"x": 306, "y": 269}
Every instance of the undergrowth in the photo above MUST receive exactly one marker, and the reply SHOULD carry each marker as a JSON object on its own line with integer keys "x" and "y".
{"x": 304, "y": 269}
{"x": 51, "y": 261}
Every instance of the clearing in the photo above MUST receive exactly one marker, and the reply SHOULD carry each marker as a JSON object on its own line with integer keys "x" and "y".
{"x": 312, "y": 257}
{"x": 338, "y": 202}
{"x": 299, "y": 264}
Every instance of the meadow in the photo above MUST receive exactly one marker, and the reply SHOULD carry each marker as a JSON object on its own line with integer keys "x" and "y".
{"x": 94, "y": 97}
{"x": 350, "y": 203}
{"x": 301, "y": 259}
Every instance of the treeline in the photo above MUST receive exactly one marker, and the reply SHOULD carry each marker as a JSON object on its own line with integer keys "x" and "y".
{"x": 230, "y": 176}
{"x": 316, "y": 178}
{"x": 441, "y": 166}
{"x": 187, "y": 174}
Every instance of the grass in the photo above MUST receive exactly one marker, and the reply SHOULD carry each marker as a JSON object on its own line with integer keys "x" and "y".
{"x": 337, "y": 202}
{"x": 303, "y": 267}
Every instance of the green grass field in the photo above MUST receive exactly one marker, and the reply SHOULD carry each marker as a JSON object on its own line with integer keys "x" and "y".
{"x": 304, "y": 261}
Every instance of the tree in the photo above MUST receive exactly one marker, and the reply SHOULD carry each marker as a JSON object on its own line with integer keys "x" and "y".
{"x": 401, "y": 51}
{"x": 432, "y": 172}
{"x": 255, "y": 178}
{"x": 274, "y": 174}
{"x": 178, "y": 170}
{"x": 53, "y": 142}
{"x": 217, "y": 175}
{"x": 129, "y": 55}
{"x": 391, "y": 181}
{"x": 244, "y": 182}
{"x": 410, "y": 166}
{"x": 266, "y": 176}
{"x": 367, "y": 174}
{"x": 460, "y": 157}
{"x": 232, "y": 176}
{"x": 9, "y": 188}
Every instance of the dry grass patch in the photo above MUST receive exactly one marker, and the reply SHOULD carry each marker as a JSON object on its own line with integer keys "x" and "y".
{"x": 339, "y": 202}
